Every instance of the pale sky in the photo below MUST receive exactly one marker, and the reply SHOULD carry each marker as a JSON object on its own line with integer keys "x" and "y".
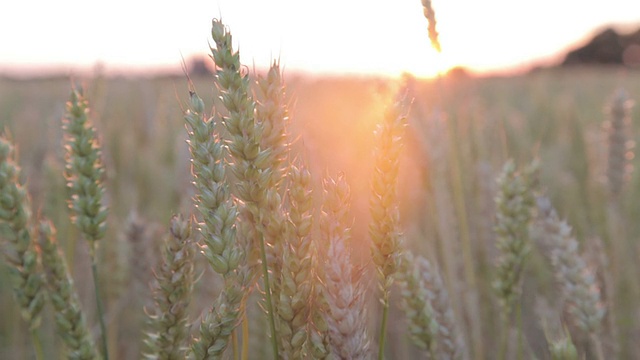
{"x": 329, "y": 36}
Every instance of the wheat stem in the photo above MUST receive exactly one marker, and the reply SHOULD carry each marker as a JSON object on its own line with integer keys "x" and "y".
{"x": 383, "y": 325}
{"x": 99, "y": 303}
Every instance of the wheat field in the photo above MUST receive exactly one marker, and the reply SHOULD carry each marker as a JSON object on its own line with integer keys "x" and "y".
{"x": 262, "y": 215}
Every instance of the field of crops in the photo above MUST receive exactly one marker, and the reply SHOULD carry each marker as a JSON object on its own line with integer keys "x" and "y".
{"x": 452, "y": 201}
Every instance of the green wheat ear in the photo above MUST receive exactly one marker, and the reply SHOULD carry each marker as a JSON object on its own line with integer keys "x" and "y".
{"x": 84, "y": 170}
{"x": 514, "y": 202}
{"x": 425, "y": 302}
{"x": 224, "y": 253}
{"x": 174, "y": 284}
{"x": 577, "y": 280}
{"x": 21, "y": 250}
{"x": 70, "y": 320}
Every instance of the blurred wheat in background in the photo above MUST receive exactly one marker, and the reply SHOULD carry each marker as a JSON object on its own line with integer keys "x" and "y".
{"x": 453, "y": 218}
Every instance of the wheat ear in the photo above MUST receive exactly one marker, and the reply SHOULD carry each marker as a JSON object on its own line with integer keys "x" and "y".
{"x": 385, "y": 228}
{"x": 293, "y": 305}
{"x": 250, "y": 164}
{"x": 21, "y": 252}
{"x": 169, "y": 321}
{"x": 272, "y": 117}
{"x": 577, "y": 281}
{"x": 69, "y": 318}
{"x": 426, "y": 304}
{"x": 218, "y": 212}
{"x": 620, "y": 152}
{"x": 343, "y": 284}
{"x": 84, "y": 172}
{"x": 515, "y": 202}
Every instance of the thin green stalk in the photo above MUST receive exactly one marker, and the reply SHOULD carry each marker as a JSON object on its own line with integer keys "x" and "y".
{"x": 597, "y": 347}
{"x": 37, "y": 344}
{"x": 245, "y": 338}
{"x": 383, "y": 326}
{"x": 505, "y": 339}
{"x": 267, "y": 291}
{"x": 234, "y": 342}
{"x": 471, "y": 302}
{"x": 520, "y": 334}
{"x": 99, "y": 303}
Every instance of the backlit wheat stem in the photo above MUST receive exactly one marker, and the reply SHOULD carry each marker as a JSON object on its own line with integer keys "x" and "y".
{"x": 385, "y": 229}
{"x": 70, "y": 320}
{"x": 251, "y": 165}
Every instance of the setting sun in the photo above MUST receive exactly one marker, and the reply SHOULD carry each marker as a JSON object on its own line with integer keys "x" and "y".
{"x": 332, "y": 37}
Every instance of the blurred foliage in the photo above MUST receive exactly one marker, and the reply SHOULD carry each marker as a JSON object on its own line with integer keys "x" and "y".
{"x": 555, "y": 115}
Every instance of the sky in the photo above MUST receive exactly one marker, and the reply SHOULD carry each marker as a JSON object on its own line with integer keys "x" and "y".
{"x": 319, "y": 37}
